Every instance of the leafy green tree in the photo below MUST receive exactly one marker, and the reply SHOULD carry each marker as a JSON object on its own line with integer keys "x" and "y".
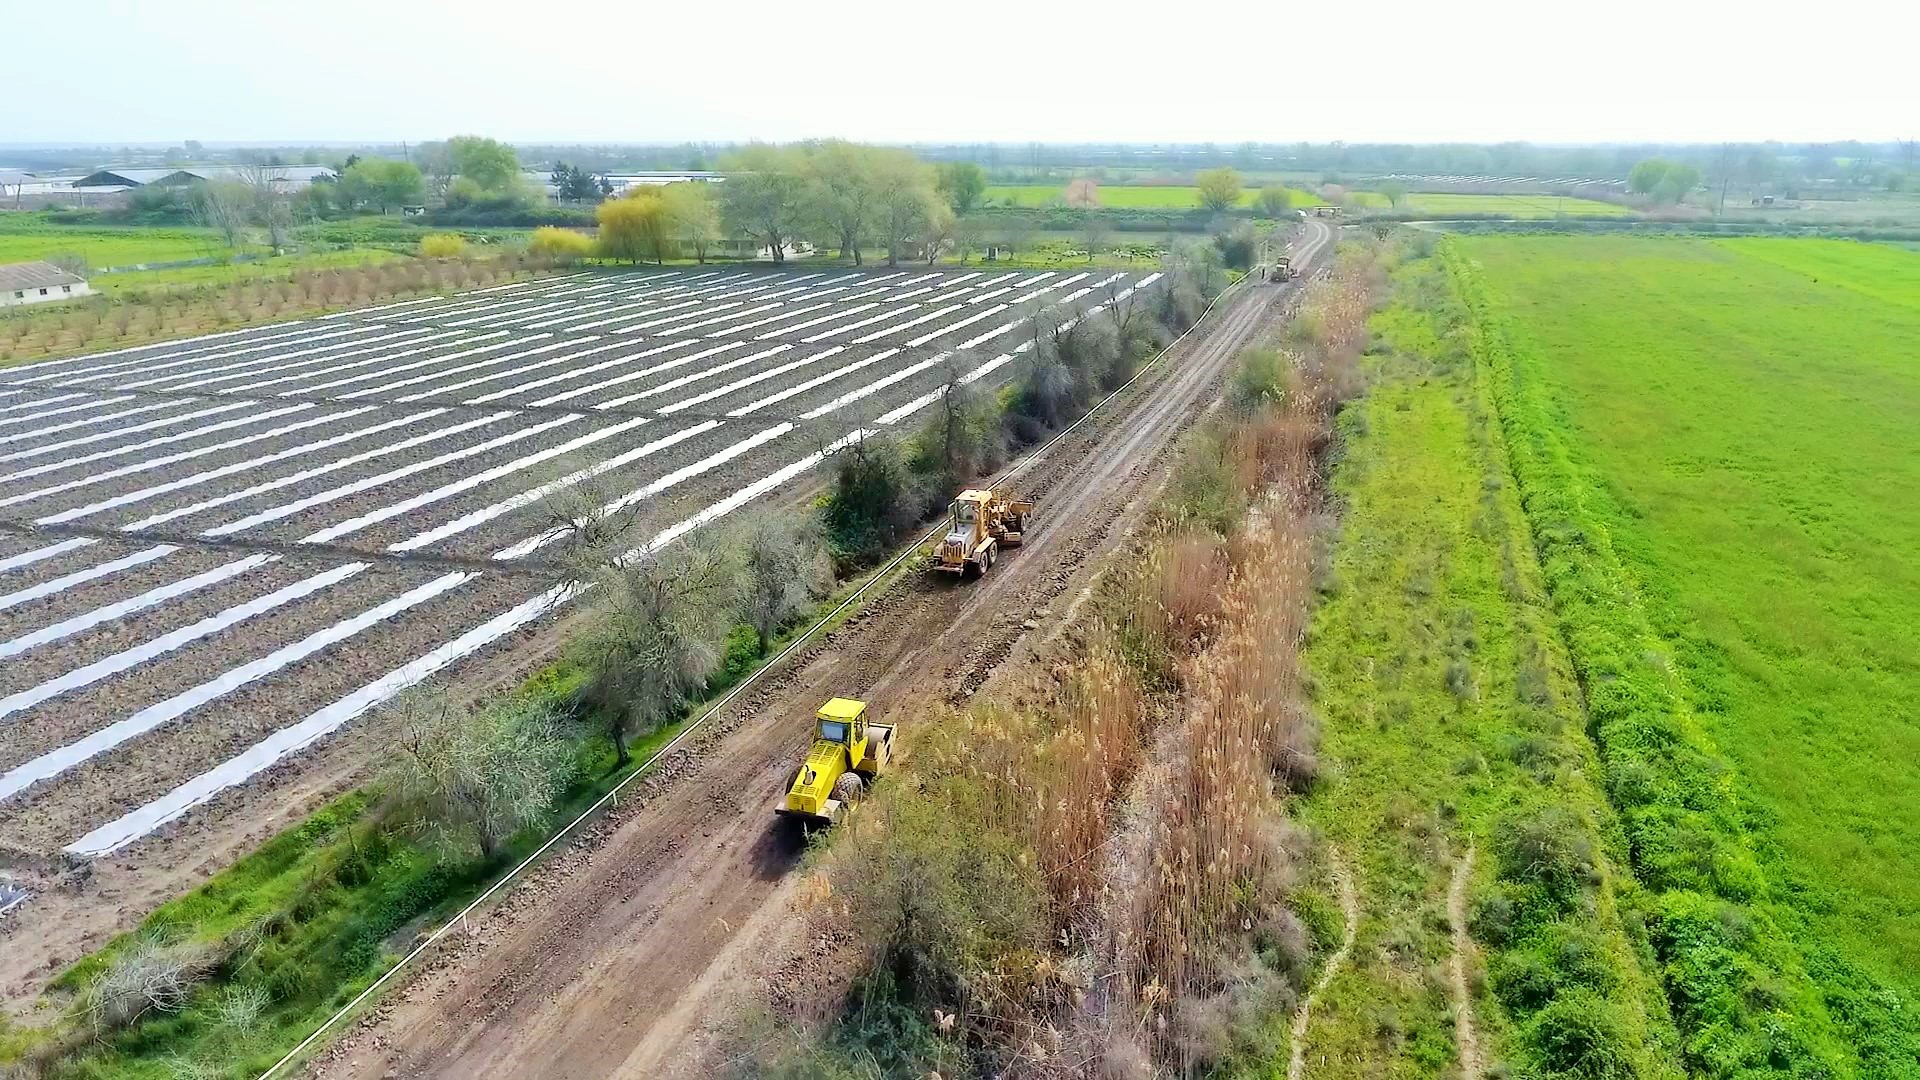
{"x": 905, "y": 200}
{"x": 1647, "y": 176}
{"x": 765, "y": 195}
{"x": 575, "y": 184}
{"x": 1274, "y": 201}
{"x": 1219, "y": 188}
{"x": 870, "y": 506}
{"x": 840, "y": 194}
{"x": 383, "y": 183}
{"x": 1395, "y": 192}
{"x": 1663, "y": 181}
{"x": 937, "y": 231}
{"x": 487, "y": 162}
{"x": 962, "y": 183}
{"x": 693, "y": 216}
{"x": 1678, "y": 183}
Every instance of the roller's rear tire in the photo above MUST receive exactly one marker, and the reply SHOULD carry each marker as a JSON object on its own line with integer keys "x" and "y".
{"x": 849, "y": 789}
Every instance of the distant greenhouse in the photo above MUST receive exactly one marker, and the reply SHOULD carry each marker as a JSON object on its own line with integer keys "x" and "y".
{"x": 281, "y": 177}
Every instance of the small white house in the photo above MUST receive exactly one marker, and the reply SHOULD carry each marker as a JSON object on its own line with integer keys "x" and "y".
{"x": 38, "y": 283}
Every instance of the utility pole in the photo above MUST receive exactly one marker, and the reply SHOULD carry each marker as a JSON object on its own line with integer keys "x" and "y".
{"x": 1726, "y": 176}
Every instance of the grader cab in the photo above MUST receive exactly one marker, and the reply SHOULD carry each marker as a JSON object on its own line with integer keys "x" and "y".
{"x": 979, "y": 523}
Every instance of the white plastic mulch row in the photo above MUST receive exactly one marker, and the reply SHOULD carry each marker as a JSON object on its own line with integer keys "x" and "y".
{"x": 55, "y": 762}
{"x": 196, "y": 479}
{"x": 149, "y": 464}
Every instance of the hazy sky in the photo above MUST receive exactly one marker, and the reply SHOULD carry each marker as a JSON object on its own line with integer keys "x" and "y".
{"x": 115, "y": 71}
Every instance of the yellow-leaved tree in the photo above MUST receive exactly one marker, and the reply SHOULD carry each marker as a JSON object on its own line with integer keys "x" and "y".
{"x": 636, "y": 227}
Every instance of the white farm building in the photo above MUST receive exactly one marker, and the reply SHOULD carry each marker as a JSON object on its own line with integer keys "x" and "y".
{"x": 38, "y": 283}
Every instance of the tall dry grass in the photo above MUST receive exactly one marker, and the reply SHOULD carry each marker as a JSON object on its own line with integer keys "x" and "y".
{"x": 1197, "y": 934}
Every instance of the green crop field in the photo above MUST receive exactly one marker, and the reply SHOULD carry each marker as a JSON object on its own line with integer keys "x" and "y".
{"x": 1737, "y": 421}
{"x": 263, "y": 269}
{"x": 1126, "y": 197}
{"x": 1519, "y": 206}
{"x": 22, "y": 240}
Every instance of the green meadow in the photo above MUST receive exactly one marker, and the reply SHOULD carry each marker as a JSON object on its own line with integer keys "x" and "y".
{"x": 1133, "y": 197}
{"x": 22, "y": 241}
{"x": 1719, "y": 452}
{"x": 1517, "y": 206}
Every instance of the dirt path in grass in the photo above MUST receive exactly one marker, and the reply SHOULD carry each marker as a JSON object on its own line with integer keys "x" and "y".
{"x": 1465, "y": 1036}
{"x": 625, "y": 955}
{"x": 1303, "y": 1016}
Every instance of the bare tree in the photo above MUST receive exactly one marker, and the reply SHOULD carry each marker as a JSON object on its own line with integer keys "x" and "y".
{"x": 659, "y": 621}
{"x": 785, "y": 567}
{"x": 1093, "y": 232}
{"x": 270, "y": 206}
{"x": 223, "y": 205}
{"x": 586, "y": 529}
{"x": 475, "y": 778}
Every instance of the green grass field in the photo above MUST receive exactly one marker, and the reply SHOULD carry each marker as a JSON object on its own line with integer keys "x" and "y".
{"x": 25, "y": 239}
{"x": 1519, "y": 206}
{"x": 1744, "y": 412}
{"x": 1125, "y": 197}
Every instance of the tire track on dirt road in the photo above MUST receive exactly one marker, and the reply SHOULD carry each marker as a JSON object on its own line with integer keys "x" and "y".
{"x": 607, "y": 960}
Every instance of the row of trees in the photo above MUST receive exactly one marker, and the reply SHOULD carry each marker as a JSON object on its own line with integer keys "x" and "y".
{"x": 848, "y": 197}
{"x": 882, "y": 485}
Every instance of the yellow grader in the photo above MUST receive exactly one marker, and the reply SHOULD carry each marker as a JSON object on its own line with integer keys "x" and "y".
{"x": 847, "y": 754}
{"x": 979, "y": 523}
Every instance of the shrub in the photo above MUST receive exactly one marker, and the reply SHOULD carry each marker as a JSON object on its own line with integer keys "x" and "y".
{"x": 1581, "y": 1035}
{"x": 1548, "y": 848}
{"x": 442, "y": 245}
{"x": 150, "y": 975}
{"x": 1238, "y": 246}
{"x": 871, "y": 505}
{"x": 562, "y": 247}
{"x": 1260, "y": 378}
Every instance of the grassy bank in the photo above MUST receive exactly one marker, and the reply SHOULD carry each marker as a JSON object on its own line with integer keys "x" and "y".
{"x": 1451, "y": 724}
{"x": 1706, "y": 437}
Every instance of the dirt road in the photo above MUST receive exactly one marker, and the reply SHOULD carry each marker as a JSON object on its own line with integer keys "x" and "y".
{"x": 617, "y": 958}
